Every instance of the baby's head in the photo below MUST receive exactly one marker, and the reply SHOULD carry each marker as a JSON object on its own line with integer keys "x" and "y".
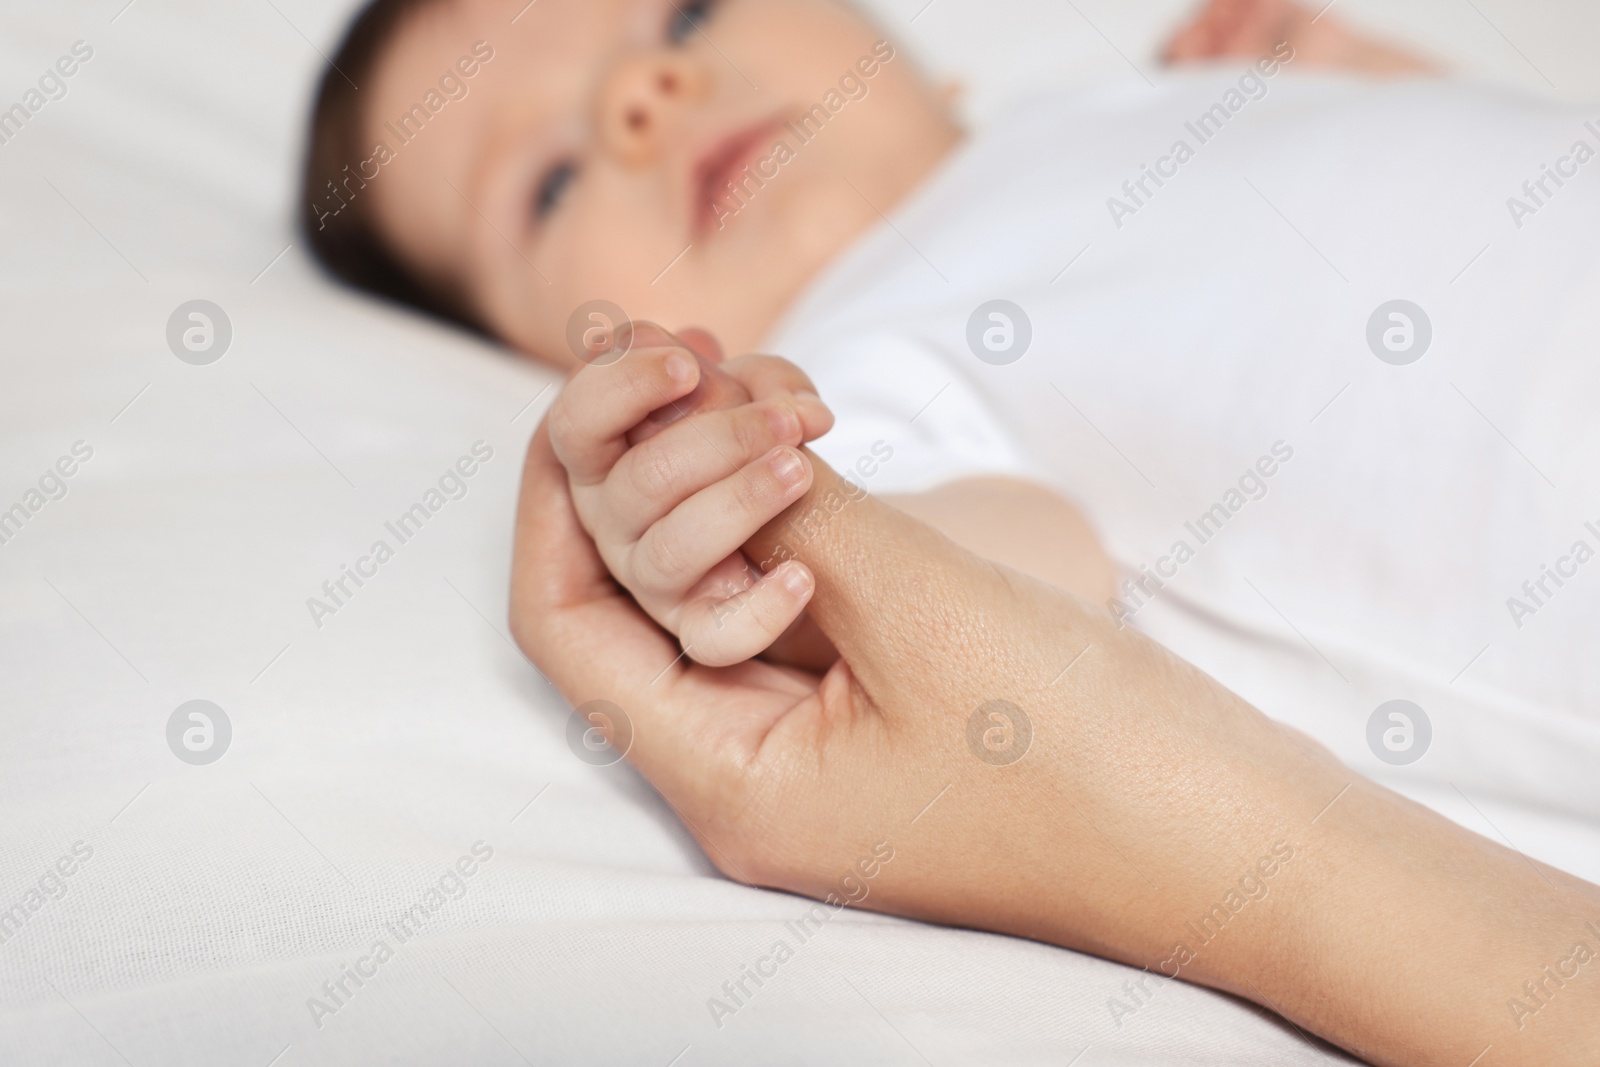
{"x": 502, "y": 165}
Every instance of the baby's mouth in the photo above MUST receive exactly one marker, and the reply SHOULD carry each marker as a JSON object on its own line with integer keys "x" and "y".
{"x": 720, "y": 165}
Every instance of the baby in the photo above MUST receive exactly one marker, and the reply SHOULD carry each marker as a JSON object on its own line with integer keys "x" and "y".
{"x": 1193, "y": 267}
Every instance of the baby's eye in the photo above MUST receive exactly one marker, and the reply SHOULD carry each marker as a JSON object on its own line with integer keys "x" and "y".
{"x": 553, "y": 186}
{"x": 686, "y": 18}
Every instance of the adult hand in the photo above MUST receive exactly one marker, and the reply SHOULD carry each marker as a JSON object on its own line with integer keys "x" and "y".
{"x": 1036, "y": 771}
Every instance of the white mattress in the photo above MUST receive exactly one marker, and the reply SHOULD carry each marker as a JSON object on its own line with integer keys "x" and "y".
{"x": 370, "y": 754}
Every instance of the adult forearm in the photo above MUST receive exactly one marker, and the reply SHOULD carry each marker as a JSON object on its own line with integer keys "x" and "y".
{"x": 1159, "y": 820}
{"x": 1411, "y": 940}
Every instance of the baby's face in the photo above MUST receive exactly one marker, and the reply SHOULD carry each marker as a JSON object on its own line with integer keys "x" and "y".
{"x": 591, "y": 155}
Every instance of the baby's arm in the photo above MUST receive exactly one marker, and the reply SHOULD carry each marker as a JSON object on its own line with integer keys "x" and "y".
{"x": 1021, "y": 524}
{"x": 1251, "y": 29}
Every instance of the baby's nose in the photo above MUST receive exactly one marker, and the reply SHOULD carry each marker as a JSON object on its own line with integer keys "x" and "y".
{"x": 641, "y": 101}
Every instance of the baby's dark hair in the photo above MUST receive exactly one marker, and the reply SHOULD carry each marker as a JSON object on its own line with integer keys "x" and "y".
{"x": 338, "y": 222}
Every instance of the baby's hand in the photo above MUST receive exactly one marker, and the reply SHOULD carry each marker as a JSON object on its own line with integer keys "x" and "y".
{"x": 675, "y": 459}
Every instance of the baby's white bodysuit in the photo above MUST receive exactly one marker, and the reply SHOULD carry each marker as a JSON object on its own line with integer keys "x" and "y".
{"x": 1318, "y": 357}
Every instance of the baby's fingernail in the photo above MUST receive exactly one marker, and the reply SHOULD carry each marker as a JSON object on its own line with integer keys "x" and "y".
{"x": 788, "y": 466}
{"x": 784, "y": 422}
{"x": 679, "y": 368}
{"x": 797, "y": 580}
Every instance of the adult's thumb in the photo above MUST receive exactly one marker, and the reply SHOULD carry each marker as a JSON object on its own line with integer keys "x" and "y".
{"x": 917, "y": 618}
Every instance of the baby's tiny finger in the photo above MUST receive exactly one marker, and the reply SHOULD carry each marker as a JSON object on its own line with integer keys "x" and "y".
{"x": 768, "y": 376}
{"x": 590, "y": 420}
{"x": 816, "y": 418}
{"x": 722, "y": 632}
{"x": 658, "y": 475}
{"x": 676, "y": 551}
{"x": 763, "y": 374}
{"x": 716, "y": 391}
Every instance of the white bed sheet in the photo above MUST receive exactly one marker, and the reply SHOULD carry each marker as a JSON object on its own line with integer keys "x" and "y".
{"x": 371, "y": 753}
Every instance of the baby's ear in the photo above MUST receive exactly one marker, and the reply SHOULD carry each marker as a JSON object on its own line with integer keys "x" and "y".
{"x": 952, "y": 91}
